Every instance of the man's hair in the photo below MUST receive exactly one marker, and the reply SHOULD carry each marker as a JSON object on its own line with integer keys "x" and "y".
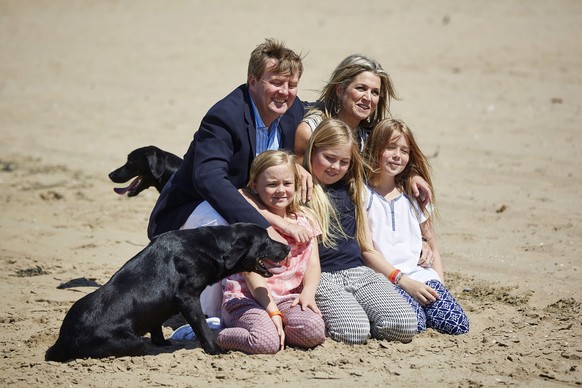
{"x": 287, "y": 62}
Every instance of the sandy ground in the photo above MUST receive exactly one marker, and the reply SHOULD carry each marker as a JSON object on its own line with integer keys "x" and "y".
{"x": 492, "y": 89}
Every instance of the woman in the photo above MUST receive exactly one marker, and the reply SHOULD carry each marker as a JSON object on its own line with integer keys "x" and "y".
{"x": 358, "y": 93}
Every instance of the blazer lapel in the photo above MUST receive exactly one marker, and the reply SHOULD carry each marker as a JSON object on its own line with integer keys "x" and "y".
{"x": 249, "y": 121}
{"x": 287, "y": 132}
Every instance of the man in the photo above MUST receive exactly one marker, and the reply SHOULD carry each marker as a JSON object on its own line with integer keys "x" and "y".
{"x": 260, "y": 115}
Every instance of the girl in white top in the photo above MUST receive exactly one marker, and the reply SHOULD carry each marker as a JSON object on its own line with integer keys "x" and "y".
{"x": 399, "y": 225}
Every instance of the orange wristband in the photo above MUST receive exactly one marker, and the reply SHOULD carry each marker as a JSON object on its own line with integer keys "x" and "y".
{"x": 394, "y": 275}
{"x": 276, "y": 312}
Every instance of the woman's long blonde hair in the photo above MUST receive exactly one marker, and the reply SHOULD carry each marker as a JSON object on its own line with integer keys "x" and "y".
{"x": 344, "y": 74}
{"x": 332, "y": 133}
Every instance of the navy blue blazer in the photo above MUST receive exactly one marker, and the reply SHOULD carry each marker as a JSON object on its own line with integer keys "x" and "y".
{"x": 217, "y": 164}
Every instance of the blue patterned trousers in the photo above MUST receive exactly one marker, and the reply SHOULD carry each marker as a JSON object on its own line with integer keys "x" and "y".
{"x": 445, "y": 315}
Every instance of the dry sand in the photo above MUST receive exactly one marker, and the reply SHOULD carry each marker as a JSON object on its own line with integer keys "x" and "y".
{"x": 492, "y": 89}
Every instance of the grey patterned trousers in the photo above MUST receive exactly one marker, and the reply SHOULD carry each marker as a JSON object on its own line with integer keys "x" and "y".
{"x": 358, "y": 303}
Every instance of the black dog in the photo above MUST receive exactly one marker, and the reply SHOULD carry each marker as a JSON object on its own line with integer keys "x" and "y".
{"x": 165, "y": 278}
{"x": 150, "y": 166}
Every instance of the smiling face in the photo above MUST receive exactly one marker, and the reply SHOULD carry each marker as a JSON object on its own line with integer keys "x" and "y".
{"x": 275, "y": 186}
{"x": 360, "y": 98}
{"x": 396, "y": 155}
{"x": 273, "y": 93}
{"x": 330, "y": 165}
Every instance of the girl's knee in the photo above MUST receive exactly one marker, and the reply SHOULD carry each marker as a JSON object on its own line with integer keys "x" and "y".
{"x": 454, "y": 323}
{"x": 402, "y": 327}
{"x": 349, "y": 333}
{"x": 463, "y": 327}
{"x": 401, "y": 331}
{"x": 313, "y": 332}
{"x": 446, "y": 315}
{"x": 306, "y": 332}
{"x": 267, "y": 342}
{"x": 405, "y": 331}
{"x": 258, "y": 342}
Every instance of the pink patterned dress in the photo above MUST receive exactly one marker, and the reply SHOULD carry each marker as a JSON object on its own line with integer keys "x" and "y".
{"x": 248, "y": 327}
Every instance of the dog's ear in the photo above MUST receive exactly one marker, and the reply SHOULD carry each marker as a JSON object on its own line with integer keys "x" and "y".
{"x": 240, "y": 249}
{"x": 156, "y": 162}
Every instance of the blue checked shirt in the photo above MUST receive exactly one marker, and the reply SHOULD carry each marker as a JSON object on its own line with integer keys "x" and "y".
{"x": 267, "y": 138}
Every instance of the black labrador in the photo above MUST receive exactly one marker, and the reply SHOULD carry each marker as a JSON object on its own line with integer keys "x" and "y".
{"x": 163, "y": 279}
{"x": 150, "y": 166}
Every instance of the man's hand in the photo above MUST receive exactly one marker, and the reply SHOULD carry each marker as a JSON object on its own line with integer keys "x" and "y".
{"x": 421, "y": 191}
{"x": 426, "y": 256}
{"x": 306, "y": 183}
{"x": 299, "y": 233}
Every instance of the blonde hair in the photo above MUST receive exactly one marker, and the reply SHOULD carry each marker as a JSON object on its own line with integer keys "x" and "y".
{"x": 418, "y": 164}
{"x": 269, "y": 159}
{"x": 344, "y": 74}
{"x": 332, "y": 133}
{"x": 287, "y": 61}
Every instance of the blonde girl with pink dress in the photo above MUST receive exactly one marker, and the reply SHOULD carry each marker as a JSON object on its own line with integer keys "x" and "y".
{"x": 262, "y": 315}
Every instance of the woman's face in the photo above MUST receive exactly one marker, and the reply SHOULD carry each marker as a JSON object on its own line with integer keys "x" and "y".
{"x": 360, "y": 99}
{"x": 275, "y": 187}
{"x": 329, "y": 165}
{"x": 395, "y": 156}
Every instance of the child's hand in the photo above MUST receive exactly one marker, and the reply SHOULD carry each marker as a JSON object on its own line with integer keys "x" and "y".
{"x": 420, "y": 292}
{"x": 278, "y": 321}
{"x": 306, "y": 302}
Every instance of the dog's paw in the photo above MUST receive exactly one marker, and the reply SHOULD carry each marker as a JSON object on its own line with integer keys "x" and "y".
{"x": 158, "y": 337}
{"x": 163, "y": 342}
{"x": 212, "y": 349}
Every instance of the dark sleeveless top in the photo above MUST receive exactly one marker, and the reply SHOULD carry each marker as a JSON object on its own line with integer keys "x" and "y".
{"x": 347, "y": 253}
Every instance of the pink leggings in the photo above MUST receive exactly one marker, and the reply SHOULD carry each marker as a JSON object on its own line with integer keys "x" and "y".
{"x": 249, "y": 329}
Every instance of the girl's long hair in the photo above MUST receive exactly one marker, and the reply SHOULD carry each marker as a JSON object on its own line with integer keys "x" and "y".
{"x": 332, "y": 133}
{"x": 391, "y": 129}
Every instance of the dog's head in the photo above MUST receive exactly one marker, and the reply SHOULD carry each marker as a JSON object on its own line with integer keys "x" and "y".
{"x": 254, "y": 251}
{"x": 144, "y": 166}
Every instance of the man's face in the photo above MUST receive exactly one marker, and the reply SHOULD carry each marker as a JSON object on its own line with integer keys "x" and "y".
{"x": 273, "y": 93}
